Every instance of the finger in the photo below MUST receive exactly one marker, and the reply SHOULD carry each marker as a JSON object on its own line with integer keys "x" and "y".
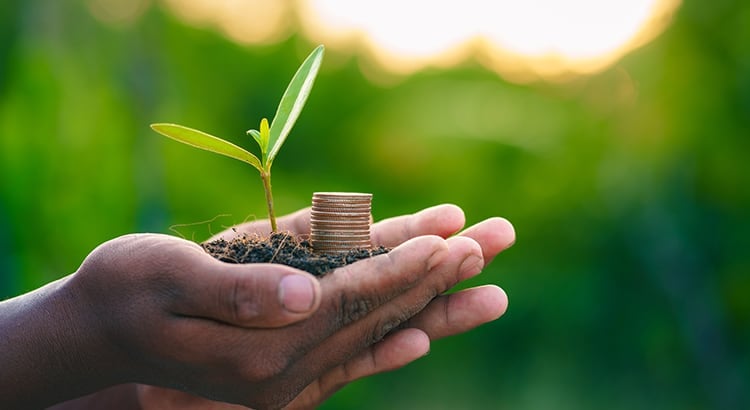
{"x": 297, "y": 222}
{"x": 353, "y": 291}
{"x": 250, "y": 295}
{"x": 459, "y": 312}
{"x": 462, "y": 259}
{"x": 395, "y": 351}
{"x": 440, "y": 220}
{"x": 445, "y": 316}
{"x": 494, "y": 235}
{"x": 333, "y": 334}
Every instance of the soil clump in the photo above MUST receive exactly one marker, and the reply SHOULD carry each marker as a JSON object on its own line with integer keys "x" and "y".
{"x": 285, "y": 248}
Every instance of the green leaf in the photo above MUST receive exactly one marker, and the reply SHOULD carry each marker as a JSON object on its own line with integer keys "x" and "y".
{"x": 265, "y": 136}
{"x": 292, "y": 102}
{"x": 208, "y": 142}
{"x": 256, "y": 136}
{"x": 261, "y": 138}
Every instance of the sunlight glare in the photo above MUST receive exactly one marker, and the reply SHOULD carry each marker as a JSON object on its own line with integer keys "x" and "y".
{"x": 573, "y": 28}
{"x": 520, "y": 40}
{"x": 550, "y": 38}
{"x": 388, "y": 29}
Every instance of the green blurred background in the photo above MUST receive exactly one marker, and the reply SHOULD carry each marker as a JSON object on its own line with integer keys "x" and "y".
{"x": 629, "y": 189}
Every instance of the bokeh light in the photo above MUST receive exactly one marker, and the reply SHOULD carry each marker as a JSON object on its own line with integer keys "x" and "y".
{"x": 118, "y": 12}
{"x": 243, "y": 21}
{"x": 520, "y": 40}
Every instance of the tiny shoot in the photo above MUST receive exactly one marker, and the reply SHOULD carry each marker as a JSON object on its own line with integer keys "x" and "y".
{"x": 269, "y": 137}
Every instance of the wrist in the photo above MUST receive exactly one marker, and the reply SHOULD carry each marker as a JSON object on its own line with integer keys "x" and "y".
{"x": 51, "y": 349}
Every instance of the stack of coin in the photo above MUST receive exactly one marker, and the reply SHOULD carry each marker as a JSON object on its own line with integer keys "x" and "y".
{"x": 340, "y": 221}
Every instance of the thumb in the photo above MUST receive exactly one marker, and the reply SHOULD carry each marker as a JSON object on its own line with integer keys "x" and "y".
{"x": 247, "y": 295}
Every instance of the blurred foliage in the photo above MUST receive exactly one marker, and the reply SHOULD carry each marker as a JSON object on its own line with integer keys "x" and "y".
{"x": 629, "y": 190}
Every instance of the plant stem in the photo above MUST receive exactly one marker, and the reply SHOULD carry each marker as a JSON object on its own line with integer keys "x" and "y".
{"x": 266, "y": 177}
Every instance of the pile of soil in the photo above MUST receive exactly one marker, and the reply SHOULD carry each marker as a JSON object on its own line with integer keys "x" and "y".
{"x": 284, "y": 248}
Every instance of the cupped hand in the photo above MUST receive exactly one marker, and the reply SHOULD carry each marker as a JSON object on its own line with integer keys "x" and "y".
{"x": 418, "y": 314}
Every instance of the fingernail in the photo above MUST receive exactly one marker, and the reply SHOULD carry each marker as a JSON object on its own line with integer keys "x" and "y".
{"x": 296, "y": 293}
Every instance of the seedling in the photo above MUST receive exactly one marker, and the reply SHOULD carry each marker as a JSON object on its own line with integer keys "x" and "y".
{"x": 269, "y": 138}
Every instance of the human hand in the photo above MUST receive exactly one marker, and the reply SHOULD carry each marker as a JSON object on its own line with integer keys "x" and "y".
{"x": 163, "y": 312}
{"x": 445, "y": 315}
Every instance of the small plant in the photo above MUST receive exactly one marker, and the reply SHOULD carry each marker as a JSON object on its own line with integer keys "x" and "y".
{"x": 269, "y": 138}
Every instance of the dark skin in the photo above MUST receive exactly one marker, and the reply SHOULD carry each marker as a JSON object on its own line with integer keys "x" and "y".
{"x": 158, "y": 311}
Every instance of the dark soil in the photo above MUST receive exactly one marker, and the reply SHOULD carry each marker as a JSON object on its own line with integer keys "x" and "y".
{"x": 284, "y": 248}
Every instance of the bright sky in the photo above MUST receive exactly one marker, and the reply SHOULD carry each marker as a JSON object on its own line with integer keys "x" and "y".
{"x": 520, "y": 39}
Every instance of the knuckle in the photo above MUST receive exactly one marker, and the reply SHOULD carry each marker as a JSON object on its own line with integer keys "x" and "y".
{"x": 382, "y": 328}
{"x": 102, "y": 257}
{"x": 244, "y": 305}
{"x": 351, "y": 309}
{"x": 353, "y": 304}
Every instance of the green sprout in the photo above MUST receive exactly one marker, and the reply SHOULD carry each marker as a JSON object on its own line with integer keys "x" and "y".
{"x": 269, "y": 138}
